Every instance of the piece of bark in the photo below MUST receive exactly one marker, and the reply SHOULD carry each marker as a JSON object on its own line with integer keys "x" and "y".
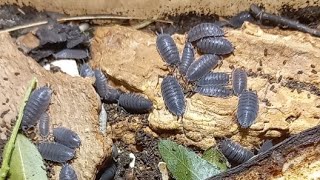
{"x": 297, "y": 157}
{"x": 74, "y": 105}
{"x": 288, "y": 101}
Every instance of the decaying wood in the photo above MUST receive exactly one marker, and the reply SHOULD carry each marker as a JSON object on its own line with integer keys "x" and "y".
{"x": 131, "y": 60}
{"x": 285, "y": 159}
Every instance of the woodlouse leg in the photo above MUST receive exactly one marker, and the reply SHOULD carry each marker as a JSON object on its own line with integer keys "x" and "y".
{"x": 159, "y": 77}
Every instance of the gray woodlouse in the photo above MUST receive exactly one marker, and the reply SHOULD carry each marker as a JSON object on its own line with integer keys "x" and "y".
{"x": 239, "y": 81}
{"x": 265, "y": 146}
{"x": 112, "y": 95}
{"x": 44, "y": 125}
{"x": 56, "y": 152}
{"x": 187, "y": 58}
{"x": 37, "y": 104}
{"x": 214, "y": 91}
{"x": 204, "y": 30}
{"x": 214, "y": 78}
{"x": 71, "y": 54}
{"x": 173, "y": 96}
{"x": 66, "y": 137}
{"x": 101, "y": 83}
{"x": 67, "y": 173}
{"x": 237, "y": 20}
{"x": 167, "y": 49}
{"x": 110, "y": 172}
{"x": 235, "y": 152}
{"x": 248, "y": 107}
{"x": 134, "y": 103}
{"x": 214, "y": 45}
{"x": 201, "y": 67}
{"x": 86, "y": 71}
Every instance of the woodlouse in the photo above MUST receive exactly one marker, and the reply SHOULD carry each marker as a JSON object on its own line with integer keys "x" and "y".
{"x": 110, "y": 172}
{"x": 67, "y": 173}
{"x": 214, "y": 91}
{"x": 66, "y": 137}
{"x": 237, "y": 20}
{"x": 214, "y": 45}
{"x": 187, "y": 58}
{"x": 201, "y": 67}
{"x": 173, "y": 96}
{"x": 239, "y": 81}
{"x": 86, "y": 71}
{"x": 71, "y": 54}
{"x": 167, "y": 49}
{"x": 248, "y": 107}
{"x": 214, "y": 78}
{"x": 56, "y": 152}
{"x": 265, "y": 146}
{"x": 100, "y": 83}
{"x": 37, "y": 104}
{"x": 235, "y": 152}
{"x": 44, "y": 125}
{"x": 134, "y": 103}
{"x": 112, "y": 95}
{"x": 204, "y": 30}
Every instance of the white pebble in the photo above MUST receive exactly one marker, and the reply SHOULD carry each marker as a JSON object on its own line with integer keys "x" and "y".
{"x": 68, "y": 66}
{"x": 84, "y": 26}
{"x": 132, "y": 163}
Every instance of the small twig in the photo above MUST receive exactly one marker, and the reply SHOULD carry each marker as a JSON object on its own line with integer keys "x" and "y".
{"x": 78, "y": 18}
{"x": 142, "y": 24}
{"x": 259, "y": 13}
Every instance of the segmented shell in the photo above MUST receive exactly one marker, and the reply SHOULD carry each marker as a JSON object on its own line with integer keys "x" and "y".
{"x": 37, "y": 104}
{"x": 248, "y": 107}
{"x": 235, "y": 152}
{"x": 173, "y": 96}
{"x": 86, "y": 71}
{"x": 55, "y": 152}
{"x": 112, "y": 95}
{"x": 44, "y": 125}
{"x": 214, "y": 78}
{"x": 67, "y": 173}
{"x": 214, "y": 91}
{"x": 204, "y": 30}
{"x": 167, "y": 49}
{"x": 201, "y": 67}
{"x": 239, "y": 81}
{"x": 135, "y": 103}
{"x": 71, "y": 54}
{"x": 66, "y": 137}
{"x": 237, "y": 20}
{"x": 110, "y": 172}
{"x": 214, "y": 45}
{"x": 265, "y": 146}
{"x": 100, "y": 83}
{"x": 187, "y": 58}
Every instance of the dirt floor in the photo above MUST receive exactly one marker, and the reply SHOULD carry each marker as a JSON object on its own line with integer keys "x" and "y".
{"x": 145, "y": 150}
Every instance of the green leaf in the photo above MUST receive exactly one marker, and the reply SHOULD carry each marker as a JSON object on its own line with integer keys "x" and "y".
{"x": 26, "y": 162}
{"x": 10, "y": 144}
{"x": 185, "y": 164}
{"x": 216, "y": 158}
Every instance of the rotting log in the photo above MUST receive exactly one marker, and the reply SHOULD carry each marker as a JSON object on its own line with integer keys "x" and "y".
{"x": 297, "y": 157}
{"x": 131, "y": 60}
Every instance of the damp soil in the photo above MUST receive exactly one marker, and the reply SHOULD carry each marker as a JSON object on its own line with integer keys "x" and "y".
{"x": 145, "y": 150}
